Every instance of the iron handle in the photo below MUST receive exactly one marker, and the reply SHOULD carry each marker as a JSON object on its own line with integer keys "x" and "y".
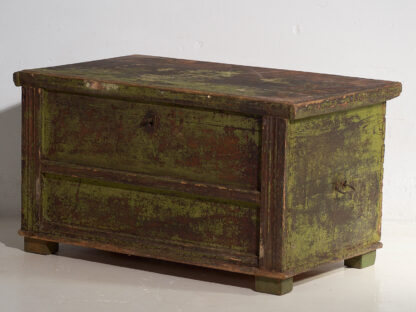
{"x": 343, "y": 186}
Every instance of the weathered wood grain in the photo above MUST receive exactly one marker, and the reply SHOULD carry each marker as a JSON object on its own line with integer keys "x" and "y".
{"x": 205, "y": 257}
{"x": 92, "y": 205}
{"x": 188, "y": 254}
{"x": 157, "y": 182}
{"x": 334, "y": 170}
{"x": 252, "y": 90}
{"x": 253, "y": 170}
{"x": 201, "y": 146}
{"x": 31, "y": 138}
{"x": 272, "y": 193}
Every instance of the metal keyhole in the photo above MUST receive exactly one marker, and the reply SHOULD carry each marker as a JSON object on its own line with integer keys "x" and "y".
{"x": 149, "y": 122}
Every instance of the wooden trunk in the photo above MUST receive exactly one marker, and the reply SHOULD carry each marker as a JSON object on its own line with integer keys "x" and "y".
{"x": 259, "y": 171}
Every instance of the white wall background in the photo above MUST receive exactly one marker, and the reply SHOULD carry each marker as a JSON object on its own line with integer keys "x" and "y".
{"x": 373, "y": 39}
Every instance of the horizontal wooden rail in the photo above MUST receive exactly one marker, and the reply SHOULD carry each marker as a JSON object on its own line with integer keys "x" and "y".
{"x": 166, "y": 183}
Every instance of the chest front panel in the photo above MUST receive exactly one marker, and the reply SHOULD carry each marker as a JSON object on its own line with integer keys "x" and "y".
{"x": 183, "y": 182}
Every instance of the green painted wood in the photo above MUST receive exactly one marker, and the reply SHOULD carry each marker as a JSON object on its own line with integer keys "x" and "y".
{"x": 41, "y": 247}
{"x": 30, "y": 157}
{"x": 362, "y": 261}
{"x": 149, "y": 213}
{"x": 273, "y": 286}
{"x": 196, "y": 145}
{"x": 334, "y": 171}
{"x": 253, "y": 90}
{"x": 27, "y": 159}
{"x": 253, "y": 170}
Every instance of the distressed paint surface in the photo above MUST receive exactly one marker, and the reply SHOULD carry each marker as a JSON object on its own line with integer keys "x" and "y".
{"x": 91, "y": 206}
{"x": 31, "y": 138}
{"x": 266, "y": 91}
{"x": 253, "y": 170}
{"x": 195, "y": 145}
{"x": 272, "y": 192}
{"x": 150, "y": 181}
{"x": 334, "y": 182}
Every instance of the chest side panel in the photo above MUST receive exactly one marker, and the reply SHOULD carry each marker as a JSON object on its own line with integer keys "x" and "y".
{"x": 334, "y": 170}
{"x": 196, "y": 145}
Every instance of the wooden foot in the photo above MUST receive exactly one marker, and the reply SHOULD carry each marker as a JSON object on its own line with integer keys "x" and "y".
{"x": 362, "y": 261}
{"x": 40, "y": 246}
{"x": 273, "y": 286}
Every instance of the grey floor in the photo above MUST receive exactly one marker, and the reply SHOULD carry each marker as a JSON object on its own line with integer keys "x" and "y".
{"x": 82, "y": 279}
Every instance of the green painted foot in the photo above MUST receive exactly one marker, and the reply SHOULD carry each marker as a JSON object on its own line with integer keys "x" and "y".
{"x": 361, "y": 262}
{"x": 273, "y": 286}
{"x": 40, "y": 246}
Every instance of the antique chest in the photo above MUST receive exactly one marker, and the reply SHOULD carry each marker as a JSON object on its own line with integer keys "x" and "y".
{"x": 260, "y": 171}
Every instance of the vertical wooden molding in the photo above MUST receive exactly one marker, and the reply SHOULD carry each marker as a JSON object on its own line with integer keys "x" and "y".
{"x": 25, "y": 192}
{"x": 37, "y": 96}
{"x": 272, "y": 192}
{"x": 381, "y": 170}
{"x": 31, "y": 139}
